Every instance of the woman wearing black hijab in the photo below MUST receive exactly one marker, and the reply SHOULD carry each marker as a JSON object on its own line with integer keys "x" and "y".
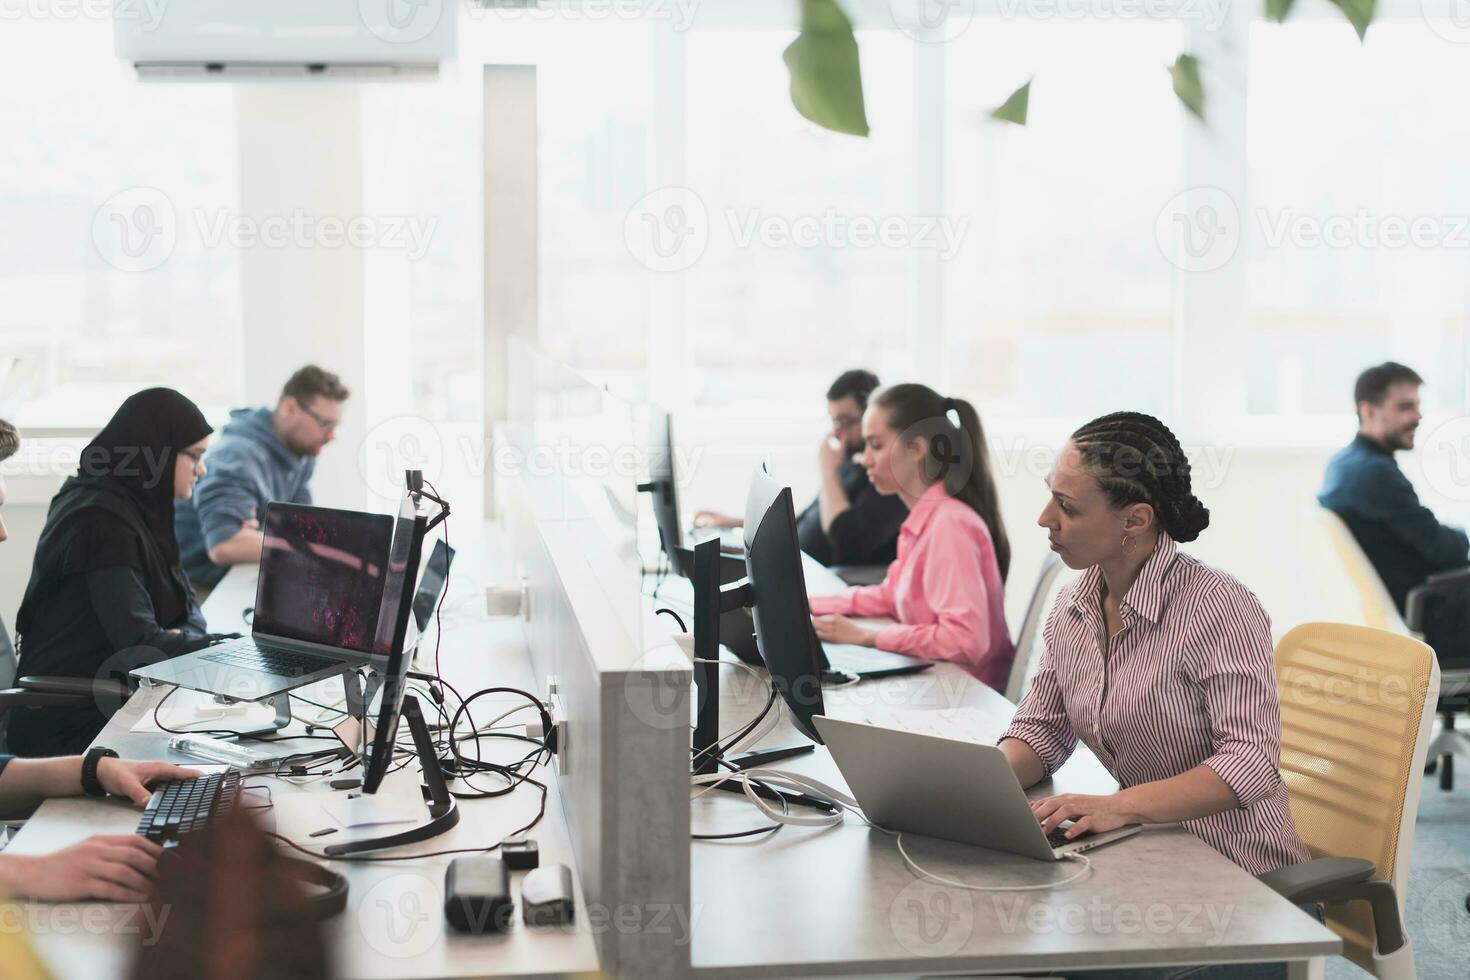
{"x": 107, "y": 592}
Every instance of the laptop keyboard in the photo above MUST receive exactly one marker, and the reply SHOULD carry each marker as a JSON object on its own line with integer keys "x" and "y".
{"x": 248, "y": 656}
{"x": 1059, "y": 838}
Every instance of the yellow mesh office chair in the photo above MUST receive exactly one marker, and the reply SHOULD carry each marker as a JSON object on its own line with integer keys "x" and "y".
{"x": 1028, "y": 647}
{"x": 1379, "y": 610}
{"x": 1357, "y": 705}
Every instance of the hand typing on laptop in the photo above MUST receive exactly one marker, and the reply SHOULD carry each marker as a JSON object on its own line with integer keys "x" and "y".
{"x": 1089, "y": 814}
{"x": 840, "y": 629}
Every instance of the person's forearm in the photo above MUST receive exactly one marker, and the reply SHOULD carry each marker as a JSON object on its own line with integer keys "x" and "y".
{"x": 15, "y": 874}
{"x": 832, "y": 501}
{"x": 26, "y": 782}
{"x": 1187, "y": 796}
{"x": 1025, "y": 763}
{"x": 243, "y": 548}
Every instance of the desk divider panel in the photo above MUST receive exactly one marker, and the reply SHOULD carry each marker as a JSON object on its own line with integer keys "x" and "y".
{"x": 622, "y": 686}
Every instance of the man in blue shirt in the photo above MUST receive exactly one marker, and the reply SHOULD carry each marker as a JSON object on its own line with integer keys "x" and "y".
{"x": 1401, "y": 537}
{"x": 262, "y": 455}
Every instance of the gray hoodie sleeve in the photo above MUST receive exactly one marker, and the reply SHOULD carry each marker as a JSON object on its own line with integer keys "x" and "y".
{"x": 224, "y": 500}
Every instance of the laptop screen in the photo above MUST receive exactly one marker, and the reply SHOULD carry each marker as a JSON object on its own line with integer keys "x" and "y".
{"x": 321, "y": 575}
{"x": 436, "y": 574}
{"x": 403, "y": 565}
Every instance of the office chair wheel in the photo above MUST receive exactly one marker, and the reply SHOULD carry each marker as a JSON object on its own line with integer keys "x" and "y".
{"x": 1431, "y": 767}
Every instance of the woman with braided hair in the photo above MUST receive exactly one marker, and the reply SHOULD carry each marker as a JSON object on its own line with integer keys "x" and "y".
{"x": 946, "y": 587}
{"x": 1161, "y": 664}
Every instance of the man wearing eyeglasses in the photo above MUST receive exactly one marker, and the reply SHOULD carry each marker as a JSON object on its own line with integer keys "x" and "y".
{"x": 262, "y": 455}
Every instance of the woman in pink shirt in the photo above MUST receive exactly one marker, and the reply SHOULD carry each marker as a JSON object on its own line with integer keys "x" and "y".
{"x": 946, "y": 588}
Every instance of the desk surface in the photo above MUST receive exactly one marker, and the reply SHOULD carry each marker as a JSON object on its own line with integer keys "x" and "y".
{"x": 393, "y": 925}
{"x": 841, "y": 900}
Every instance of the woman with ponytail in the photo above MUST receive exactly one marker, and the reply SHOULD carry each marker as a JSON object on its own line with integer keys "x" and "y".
{"x": 946, "y": 587}
{"x": 1161, "y": 664}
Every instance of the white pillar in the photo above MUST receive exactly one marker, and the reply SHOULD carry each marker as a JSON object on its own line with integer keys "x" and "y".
{"x": 301, "y": 156}
{"x": 511, "y": 234}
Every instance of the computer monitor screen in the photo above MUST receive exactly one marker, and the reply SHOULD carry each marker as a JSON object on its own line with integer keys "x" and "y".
{"x": 321, "y": 575}
{"x": 431, "y": 585}
{"x": 661, "y": 478}
{"x": 403, "y": 566}
{"x": 783, "y": 624}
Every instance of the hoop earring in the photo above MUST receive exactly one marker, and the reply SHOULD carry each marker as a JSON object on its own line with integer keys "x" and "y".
{"x": 1127, "y": 541}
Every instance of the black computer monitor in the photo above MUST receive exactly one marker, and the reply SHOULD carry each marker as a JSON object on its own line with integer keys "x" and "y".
{"x": 322, "y": 574}
{"x": 397, "y": 606}
{"x": 661, "y": 484}
{"x": 431, "y": 586}
{"x": 783, "y": 624}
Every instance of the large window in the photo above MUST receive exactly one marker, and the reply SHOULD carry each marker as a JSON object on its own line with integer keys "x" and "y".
{"x": 811, "y": 236}
{"x": 1359, "y": 217}
{"x": 110, "y": 191}
{"x": 1058, "y": 302}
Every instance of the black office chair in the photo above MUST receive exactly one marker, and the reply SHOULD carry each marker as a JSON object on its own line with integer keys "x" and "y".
{"x": 1455, "y": 679}
{"x": 35, "y": 692}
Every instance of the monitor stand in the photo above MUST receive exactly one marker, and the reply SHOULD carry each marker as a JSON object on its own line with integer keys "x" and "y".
{"x": 281, "y": 702}
{"x": 443, "y": 814}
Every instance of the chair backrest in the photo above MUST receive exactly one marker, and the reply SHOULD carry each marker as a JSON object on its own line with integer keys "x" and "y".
{"x": 1378, "y": 607}
{"x": 1026, "y": 640}
{"x": 9, "y": 663}
{"x": 1357, "y": 705}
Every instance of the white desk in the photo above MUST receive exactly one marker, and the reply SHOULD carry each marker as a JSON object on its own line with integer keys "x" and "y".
{"x": 841, "y": 901}
{"x": 393, "y": 925}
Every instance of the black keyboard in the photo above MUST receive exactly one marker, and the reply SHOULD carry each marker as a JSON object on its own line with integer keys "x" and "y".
{"x": 1059, "y": 838}
{"x": 185, "y": 806}
{"x": 251, "y": 657}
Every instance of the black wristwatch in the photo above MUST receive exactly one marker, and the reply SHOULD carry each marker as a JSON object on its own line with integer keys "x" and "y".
{"x": 90, "y": 761}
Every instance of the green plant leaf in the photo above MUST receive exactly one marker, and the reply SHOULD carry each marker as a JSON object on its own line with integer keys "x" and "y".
{"x": 1359, "y": 13}
{"x": 1278, "y": 9}
{"x": 1185, "y": 73}
{"x": 826, "y": 78}
{"x": 1013, "y": 109}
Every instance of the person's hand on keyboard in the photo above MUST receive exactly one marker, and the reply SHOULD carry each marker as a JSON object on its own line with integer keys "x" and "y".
{"x": 114, "y": 868}
{"x": 121, "y": 777}
{"x": 840, "y": 629}
{"x": 1089, "y": 814}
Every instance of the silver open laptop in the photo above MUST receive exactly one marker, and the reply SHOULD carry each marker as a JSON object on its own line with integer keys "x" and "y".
{"x": 316, "y": 607}
{"x": 947, "y": 788}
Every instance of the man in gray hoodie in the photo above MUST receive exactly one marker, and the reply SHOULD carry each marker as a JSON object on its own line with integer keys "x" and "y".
{"x": 262, "y": 455}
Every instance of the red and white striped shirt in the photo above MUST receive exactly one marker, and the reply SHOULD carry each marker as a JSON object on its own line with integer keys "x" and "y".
{"x": 1190, "y": 680}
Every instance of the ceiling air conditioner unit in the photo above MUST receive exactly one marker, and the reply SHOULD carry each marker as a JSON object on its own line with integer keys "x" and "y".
{"x": 234, "y": 40}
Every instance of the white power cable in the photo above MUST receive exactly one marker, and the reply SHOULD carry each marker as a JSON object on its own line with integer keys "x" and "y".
{"x": 953, "y": 883}
{"x": 842, "y": 803}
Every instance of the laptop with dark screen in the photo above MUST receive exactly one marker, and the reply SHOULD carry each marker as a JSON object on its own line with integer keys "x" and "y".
{"x": 316, "y": 607}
